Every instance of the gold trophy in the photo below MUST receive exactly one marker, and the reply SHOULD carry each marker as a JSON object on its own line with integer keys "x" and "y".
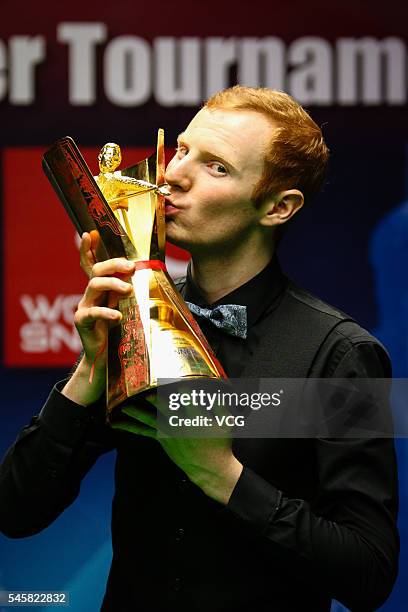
{"x": 158, "y": 338}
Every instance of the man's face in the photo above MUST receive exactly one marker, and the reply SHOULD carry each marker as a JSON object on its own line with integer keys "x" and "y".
{"x": 218, "y": 162}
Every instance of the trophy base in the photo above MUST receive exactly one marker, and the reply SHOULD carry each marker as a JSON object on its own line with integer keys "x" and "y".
{"x": 120, "y": 416}
{"x": 156, "y": 339}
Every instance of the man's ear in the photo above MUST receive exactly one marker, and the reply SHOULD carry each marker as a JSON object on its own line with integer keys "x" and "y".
{"x": 281, "y": 207}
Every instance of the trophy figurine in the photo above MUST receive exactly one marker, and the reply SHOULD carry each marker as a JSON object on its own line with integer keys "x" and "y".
{"x": 157, "y": 338}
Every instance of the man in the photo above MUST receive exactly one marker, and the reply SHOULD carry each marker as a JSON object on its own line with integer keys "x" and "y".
{"x": 221, "y": 524}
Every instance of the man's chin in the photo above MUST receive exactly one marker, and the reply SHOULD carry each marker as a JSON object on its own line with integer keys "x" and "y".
{"x": 182, "y": 244}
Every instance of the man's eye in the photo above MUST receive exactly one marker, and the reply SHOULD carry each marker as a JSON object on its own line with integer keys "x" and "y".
{"x": 181, "y": 151}
{"x": 218, "y": 168}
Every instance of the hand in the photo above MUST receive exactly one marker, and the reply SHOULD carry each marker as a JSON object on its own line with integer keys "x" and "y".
{"x": 208, "y": 462}
{"x": 98, "y": 306}
{"x": 96, "y": 311}
{"x": 87, "y": 251}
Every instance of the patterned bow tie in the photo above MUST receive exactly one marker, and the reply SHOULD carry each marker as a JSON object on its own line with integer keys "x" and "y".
{"x": 231, "y": 318}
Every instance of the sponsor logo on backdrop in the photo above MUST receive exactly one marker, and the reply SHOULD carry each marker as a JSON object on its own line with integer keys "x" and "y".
{"x": 49, "y": 325}
{"x": 43, "y": 282}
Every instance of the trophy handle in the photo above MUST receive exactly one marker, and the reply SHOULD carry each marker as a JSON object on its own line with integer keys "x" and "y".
{"x": 160, "y": 211}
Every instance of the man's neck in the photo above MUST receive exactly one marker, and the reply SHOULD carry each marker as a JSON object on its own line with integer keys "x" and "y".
{"x": 216, "y": 277}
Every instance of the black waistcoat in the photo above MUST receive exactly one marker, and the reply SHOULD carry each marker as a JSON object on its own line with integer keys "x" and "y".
{"x": 177, "y": 549}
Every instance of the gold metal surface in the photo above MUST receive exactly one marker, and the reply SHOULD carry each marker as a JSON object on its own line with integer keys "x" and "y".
{"x": 158, "y": 337}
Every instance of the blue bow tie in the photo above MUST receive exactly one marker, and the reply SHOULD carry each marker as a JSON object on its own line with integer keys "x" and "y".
{"x": 231, "y": 318}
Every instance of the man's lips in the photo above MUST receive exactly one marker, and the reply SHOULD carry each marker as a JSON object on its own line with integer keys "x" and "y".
{"x": 170, "y": 208}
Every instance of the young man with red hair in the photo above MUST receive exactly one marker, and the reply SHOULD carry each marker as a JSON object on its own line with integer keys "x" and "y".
{"x": 221, "y": 524}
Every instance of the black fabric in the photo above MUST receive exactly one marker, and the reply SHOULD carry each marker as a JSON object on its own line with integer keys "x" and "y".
{"x": 309, "y": 519}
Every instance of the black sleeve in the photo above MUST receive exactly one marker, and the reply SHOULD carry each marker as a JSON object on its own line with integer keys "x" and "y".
{"x": 347, "y": 536}
{"x": 42, "y": 471}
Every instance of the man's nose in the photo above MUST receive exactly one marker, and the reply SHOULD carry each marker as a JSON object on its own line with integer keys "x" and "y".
{"x": 178, "y": 173}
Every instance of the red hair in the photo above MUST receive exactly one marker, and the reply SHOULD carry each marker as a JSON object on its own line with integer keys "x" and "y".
{"x": 297, "y": 157}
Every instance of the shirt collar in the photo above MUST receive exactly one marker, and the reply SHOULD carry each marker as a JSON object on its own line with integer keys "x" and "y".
{"x": 257, "y": 294}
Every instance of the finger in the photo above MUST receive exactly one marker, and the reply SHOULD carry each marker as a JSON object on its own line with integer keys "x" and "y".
{"x": 151, "y": 397}
{"x": 141, "y": 415}
{"x": 86, "y": 318}
{"x": 86, "y": 254}
{"x": 95, "y": 241}
{"x": 157, "y": 402}
{"x": 117, "y": 265}
{"x": 141, "y": 430}
{"x": 97, "y": 288}
{"x": 113, "y": 299}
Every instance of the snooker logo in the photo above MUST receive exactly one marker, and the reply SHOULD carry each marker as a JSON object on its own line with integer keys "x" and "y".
{"x": 50, "y": 324}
